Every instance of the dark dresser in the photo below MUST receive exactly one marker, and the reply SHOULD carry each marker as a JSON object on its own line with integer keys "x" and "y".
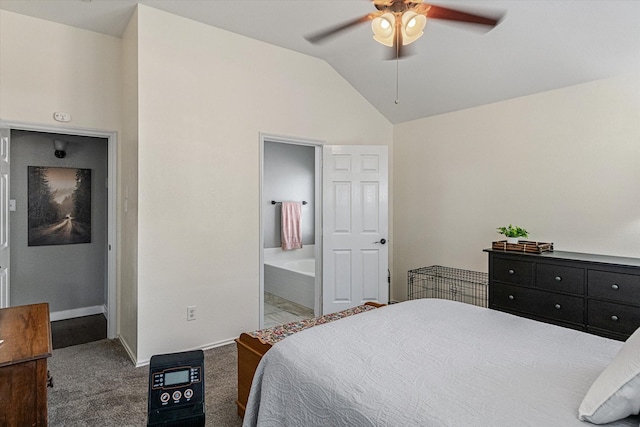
{"x": 598, "y": 294}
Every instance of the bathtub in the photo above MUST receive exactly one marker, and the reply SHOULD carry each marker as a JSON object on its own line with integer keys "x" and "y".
{"x": 291, "y": 274}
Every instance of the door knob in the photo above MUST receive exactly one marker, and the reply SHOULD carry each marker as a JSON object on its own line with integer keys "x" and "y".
{"x": 381, "y": 241}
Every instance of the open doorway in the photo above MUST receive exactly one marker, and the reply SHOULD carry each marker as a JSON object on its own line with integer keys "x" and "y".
{"x": 290, "y": 287}
{"x": 59, "y": 231}
{"x": 74, "y": 270}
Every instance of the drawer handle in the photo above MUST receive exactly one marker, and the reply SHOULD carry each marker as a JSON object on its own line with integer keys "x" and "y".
{"x": 558, "y": 278}
{"x": 615, "y": 287}
{"x": 614, "y": 318}
{"x": 511, "y": 297}
{"x": 512, "y": 272}
{"x": 558, "y": 306}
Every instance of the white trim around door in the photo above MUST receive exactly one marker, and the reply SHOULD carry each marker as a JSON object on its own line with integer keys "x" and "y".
{"x": 264, "y": 137}
{"x": 112, "y": 248}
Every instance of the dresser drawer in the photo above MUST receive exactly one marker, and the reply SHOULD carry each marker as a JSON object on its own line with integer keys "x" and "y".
{"x": 614, "y": 286}
{"x": 613, "y": 317}
{"x": 560, "y": 278}
{"x": 565, "y": 308}
{"x": 516, "y": 272}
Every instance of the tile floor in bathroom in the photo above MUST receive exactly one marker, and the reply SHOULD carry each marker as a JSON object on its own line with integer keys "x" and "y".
{"x": 278, "y": 311}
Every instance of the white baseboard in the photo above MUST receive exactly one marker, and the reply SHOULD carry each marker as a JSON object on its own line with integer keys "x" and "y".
{"x": 145, "y": 362}
{"x": 77, "y": 312}
{"x": 128, "y": 350}
{"x": 218, "y": 344}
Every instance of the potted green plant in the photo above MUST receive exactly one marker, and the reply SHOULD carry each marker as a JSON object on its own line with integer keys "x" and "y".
{"x": 512, "y": 233}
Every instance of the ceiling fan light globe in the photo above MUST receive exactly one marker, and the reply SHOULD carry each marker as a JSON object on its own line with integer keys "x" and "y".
{"x": 383, "y": 29}
{"x": 412, "y": 26}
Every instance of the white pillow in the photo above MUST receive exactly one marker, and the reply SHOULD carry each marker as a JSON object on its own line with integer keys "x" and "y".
{"x": 615, "y": 394}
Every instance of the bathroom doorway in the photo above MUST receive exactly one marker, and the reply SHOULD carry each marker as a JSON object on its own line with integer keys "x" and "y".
{"x": 289, "y": 283}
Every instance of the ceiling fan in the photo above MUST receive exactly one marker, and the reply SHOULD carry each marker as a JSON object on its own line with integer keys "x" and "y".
{"x": 401, "y": 22}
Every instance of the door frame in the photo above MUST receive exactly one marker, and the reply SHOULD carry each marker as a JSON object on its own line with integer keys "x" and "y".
{"x": 112, "y": 169}
{"x": 317, "y": 144}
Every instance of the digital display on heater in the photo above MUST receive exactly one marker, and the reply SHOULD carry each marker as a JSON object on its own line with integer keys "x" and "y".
{"x": 176, "y": 377}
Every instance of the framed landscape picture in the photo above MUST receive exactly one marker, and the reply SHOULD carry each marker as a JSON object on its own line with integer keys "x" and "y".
{"x": 59, "y": 206}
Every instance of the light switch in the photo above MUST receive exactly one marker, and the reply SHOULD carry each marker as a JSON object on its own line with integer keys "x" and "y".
{"x": 12, "y": 205}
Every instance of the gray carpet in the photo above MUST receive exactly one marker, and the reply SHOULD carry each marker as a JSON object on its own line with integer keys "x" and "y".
{"x": 97, "y": 384}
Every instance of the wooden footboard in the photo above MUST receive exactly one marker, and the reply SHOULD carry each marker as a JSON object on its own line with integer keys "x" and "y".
{"x": 250, "y": 351}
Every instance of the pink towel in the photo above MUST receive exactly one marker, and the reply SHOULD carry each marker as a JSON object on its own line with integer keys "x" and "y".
{"x": 291, "y": 236}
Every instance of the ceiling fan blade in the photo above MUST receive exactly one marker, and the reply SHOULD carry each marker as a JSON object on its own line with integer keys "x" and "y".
{"x": 439, "y": 12}
{"x": 322, "y": 35}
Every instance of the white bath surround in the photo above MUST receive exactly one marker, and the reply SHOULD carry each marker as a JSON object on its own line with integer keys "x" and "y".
{"x": 291, "y": 274}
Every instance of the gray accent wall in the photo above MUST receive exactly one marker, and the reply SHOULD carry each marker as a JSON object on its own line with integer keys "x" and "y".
{"x": 66, "y": 276}
{"x": 289, "y": 175}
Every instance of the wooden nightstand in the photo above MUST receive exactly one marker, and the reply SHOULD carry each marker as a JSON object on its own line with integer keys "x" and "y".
{"x": 26, "y": 332}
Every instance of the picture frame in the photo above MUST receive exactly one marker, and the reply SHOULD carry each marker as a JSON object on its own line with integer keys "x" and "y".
{"x": 59, "y": 206}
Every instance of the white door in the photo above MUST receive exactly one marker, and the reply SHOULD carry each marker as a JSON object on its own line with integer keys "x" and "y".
{"x": 355, "y": 226}
{"x": 4, "y": 217}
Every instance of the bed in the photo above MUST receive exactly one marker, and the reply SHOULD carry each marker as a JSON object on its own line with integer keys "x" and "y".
{"x": 252, "y": 346}
{"x": 433, "y": 362}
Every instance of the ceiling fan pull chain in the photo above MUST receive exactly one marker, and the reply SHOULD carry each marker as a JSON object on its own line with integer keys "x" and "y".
{"x": 397, "y": 101}
{"x": 397, "y": 81}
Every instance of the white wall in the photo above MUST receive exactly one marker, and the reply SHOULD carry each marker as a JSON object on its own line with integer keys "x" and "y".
{"x": 564, "y": 164}
{"x": 189, "y": 102}
{"x": 289, "y": 174}
{"x": 204, "y": 97}
{"x": 197, "y": 98}
{"x": 128, "y": 191}
{"x": 47, "y": 67}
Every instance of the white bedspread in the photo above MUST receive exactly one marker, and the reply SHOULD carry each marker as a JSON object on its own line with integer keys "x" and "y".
{"x": 429, "y": 362}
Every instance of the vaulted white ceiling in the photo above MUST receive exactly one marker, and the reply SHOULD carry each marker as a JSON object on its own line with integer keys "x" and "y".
{"x": 539, "y": 45}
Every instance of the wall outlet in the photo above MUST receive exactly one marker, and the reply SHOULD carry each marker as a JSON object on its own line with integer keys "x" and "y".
{"x": 191, "y": 312}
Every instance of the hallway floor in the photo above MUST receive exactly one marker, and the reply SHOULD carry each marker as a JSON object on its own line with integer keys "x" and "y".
{"x": 278, "y": 311}
{"x": 79, "y": 330}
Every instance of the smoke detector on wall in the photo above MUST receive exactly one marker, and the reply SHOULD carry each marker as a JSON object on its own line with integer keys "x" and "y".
{"x": 61, "y": 117}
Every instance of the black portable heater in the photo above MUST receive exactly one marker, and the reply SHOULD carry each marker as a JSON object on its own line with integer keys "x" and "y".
{"x": 176, "y": 389}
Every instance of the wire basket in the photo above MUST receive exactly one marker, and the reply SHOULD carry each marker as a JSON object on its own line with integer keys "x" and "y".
{"x": 449, "y": 283}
